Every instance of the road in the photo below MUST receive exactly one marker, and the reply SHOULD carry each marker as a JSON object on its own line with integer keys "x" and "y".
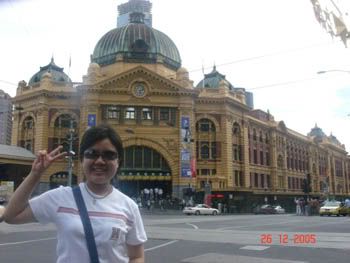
{"x": 207, "y": 239}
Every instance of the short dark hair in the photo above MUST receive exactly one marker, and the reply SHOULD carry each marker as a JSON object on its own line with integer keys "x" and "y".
{"x": 98, "y": 133}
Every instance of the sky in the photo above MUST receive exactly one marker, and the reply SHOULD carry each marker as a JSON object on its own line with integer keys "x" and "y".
{"x": 273, "y": 48}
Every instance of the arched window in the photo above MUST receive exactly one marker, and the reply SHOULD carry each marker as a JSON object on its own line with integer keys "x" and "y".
{"x": 27, "y": 135}
{"x": 260, "y": 136}
{"x": 142, "y": 160}
{"x": 280, "y": 161}
{"x": 254, "y": 134}
{"x": 205, "y": 125}
{"x": 204, "y": 150}
{"x": 236, "y": 130}
{"x": 207, "y": 147}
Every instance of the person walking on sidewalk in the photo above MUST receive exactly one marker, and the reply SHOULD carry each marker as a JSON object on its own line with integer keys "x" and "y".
{"x": 115, "y": 218}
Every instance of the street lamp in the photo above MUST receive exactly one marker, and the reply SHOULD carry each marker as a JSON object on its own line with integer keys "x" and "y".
{"x": 71, "y": 138}
{"x": 333, "y": 70}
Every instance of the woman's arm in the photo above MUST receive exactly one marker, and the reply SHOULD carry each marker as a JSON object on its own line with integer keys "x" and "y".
{"x": 18, "y": 210}
{"x": 136, "y": 254}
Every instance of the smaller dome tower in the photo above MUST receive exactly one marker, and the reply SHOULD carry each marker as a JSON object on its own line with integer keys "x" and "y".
{"x": 56, "y": 74}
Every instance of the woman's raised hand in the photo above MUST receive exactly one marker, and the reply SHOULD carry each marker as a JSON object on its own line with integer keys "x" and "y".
{"x": 44, "y": 160}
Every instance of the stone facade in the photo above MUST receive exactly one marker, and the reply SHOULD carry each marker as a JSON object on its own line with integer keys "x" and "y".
{"x": 172, "y": 129}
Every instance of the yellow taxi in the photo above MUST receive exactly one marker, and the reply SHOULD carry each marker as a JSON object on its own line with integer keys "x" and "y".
{"x": 334, "y": 208}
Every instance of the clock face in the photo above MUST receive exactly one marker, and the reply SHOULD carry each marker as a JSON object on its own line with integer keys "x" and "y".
{"x": 139, "y": 90}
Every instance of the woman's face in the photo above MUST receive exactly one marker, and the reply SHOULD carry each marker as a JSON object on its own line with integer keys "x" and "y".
{"x": 100, "y": 162}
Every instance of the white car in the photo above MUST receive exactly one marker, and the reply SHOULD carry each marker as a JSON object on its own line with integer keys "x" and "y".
{"x": 279, "y": 209}
{"x": 200, "y": 209}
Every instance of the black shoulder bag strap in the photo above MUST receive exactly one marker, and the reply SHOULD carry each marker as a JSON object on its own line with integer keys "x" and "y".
{"x": 89, "y": 233}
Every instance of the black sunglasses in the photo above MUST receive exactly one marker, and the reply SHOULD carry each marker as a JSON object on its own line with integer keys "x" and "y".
{"x": 106, "y": 155}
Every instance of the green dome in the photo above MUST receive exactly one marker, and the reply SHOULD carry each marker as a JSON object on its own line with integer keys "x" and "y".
{"x": 56, "y": 72}
{"x": 317, "y": 132}
{"x": 136, "y": 42}
{"x": 212, "y": 80}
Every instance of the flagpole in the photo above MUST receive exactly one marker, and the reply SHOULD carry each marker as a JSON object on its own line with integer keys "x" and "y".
{"x": 69, "y": 65}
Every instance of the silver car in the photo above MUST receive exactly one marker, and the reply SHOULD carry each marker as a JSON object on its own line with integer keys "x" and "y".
{"x": 200, "y": 209}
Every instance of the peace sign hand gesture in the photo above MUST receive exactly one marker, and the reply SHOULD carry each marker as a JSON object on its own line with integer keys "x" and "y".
{"x": 44, "y": 160}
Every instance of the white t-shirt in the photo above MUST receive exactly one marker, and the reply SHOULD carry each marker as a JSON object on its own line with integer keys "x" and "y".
{"x": 115, "y": 219}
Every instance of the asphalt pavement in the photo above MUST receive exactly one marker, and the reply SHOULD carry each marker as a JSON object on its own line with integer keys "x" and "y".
{"x": 174, "y": 237}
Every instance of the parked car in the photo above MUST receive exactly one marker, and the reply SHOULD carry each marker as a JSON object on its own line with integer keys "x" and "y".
{"x": 200, "y": 209}
{"x": 264, "y": 209}
{"x": 334, "y": 208}
{"x": 279, "y": 209}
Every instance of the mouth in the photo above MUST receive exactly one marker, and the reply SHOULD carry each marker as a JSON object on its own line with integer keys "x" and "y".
{"x": 99, "y": 170}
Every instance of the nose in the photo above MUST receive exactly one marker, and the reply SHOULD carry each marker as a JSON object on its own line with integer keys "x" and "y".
{"x": 99, "y": 160}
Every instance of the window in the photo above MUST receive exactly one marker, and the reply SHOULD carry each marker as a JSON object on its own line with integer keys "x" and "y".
{"x": 237, "y": 152}
{"x": 254, "y": 134}
{"x": 147, "y": 114}
{"x": 255, "y": 156}
{"x": 237, "y": 178}
{"x": 213, "y": 150}
{"x": 236, "y": 129}
{"x": 261, "y": 157}
{"x": 205, "y": 125}
{"x": 267, "y": 154}
{"x": 280, "y": 161}
{"x": 164, "y": 114}
{"x": 262, "y": 177}
{"x": 64, "y": 121}
{"x": 204, "y": 150}
{"x": 144, "y": 160}
{"x": 28, "y": 124}
{"x": 205, "y": 172}
{"x": 256, "y": 180}
{"x": 130, "y": 113}
{"x": 113, "y": 112}
{"x": 260, "y": 136}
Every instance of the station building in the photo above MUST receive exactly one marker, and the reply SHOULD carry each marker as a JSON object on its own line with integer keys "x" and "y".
{"x": 176, "y": 134}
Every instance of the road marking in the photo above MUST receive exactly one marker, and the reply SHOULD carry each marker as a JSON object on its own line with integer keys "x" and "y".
{"x": 27, "y": 241}
{"x": 224, "y": 258}
{"x": 192, "y": 225}
{"x": 258, "y": 248}
{"x": 269, "y": 224}
{"x": 162, "y": 245}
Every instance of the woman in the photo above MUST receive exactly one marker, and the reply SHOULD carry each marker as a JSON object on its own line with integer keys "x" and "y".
{"x": 115, "y": 218}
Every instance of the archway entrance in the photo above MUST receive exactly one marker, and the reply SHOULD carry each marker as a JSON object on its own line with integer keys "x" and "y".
{"x": 144, "y": 168}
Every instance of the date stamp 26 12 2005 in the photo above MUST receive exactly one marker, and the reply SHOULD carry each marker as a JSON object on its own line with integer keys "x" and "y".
{"x": 284, "y": 239}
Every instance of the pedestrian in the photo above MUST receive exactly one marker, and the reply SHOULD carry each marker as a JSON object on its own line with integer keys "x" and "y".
{"x": 298, "y": 208}
{"x": 117, "y": 227}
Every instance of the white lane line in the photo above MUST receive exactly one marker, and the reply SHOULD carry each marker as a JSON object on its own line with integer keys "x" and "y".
{"x": 257, "y": 248}
{"x": 192, "y": 225}
{"x": 269, "y": 224}
{"x": 27, "y": 241}
{"x": 162, "y": 245}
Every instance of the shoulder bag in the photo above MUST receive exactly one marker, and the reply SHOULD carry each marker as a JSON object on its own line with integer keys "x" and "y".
{"x": 89, "y": 233}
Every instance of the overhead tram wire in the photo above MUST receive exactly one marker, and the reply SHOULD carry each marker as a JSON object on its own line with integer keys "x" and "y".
{"x": 8, "y": 82}
{"x": 261, "y": 56}
{"x": 286, "y": 83}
